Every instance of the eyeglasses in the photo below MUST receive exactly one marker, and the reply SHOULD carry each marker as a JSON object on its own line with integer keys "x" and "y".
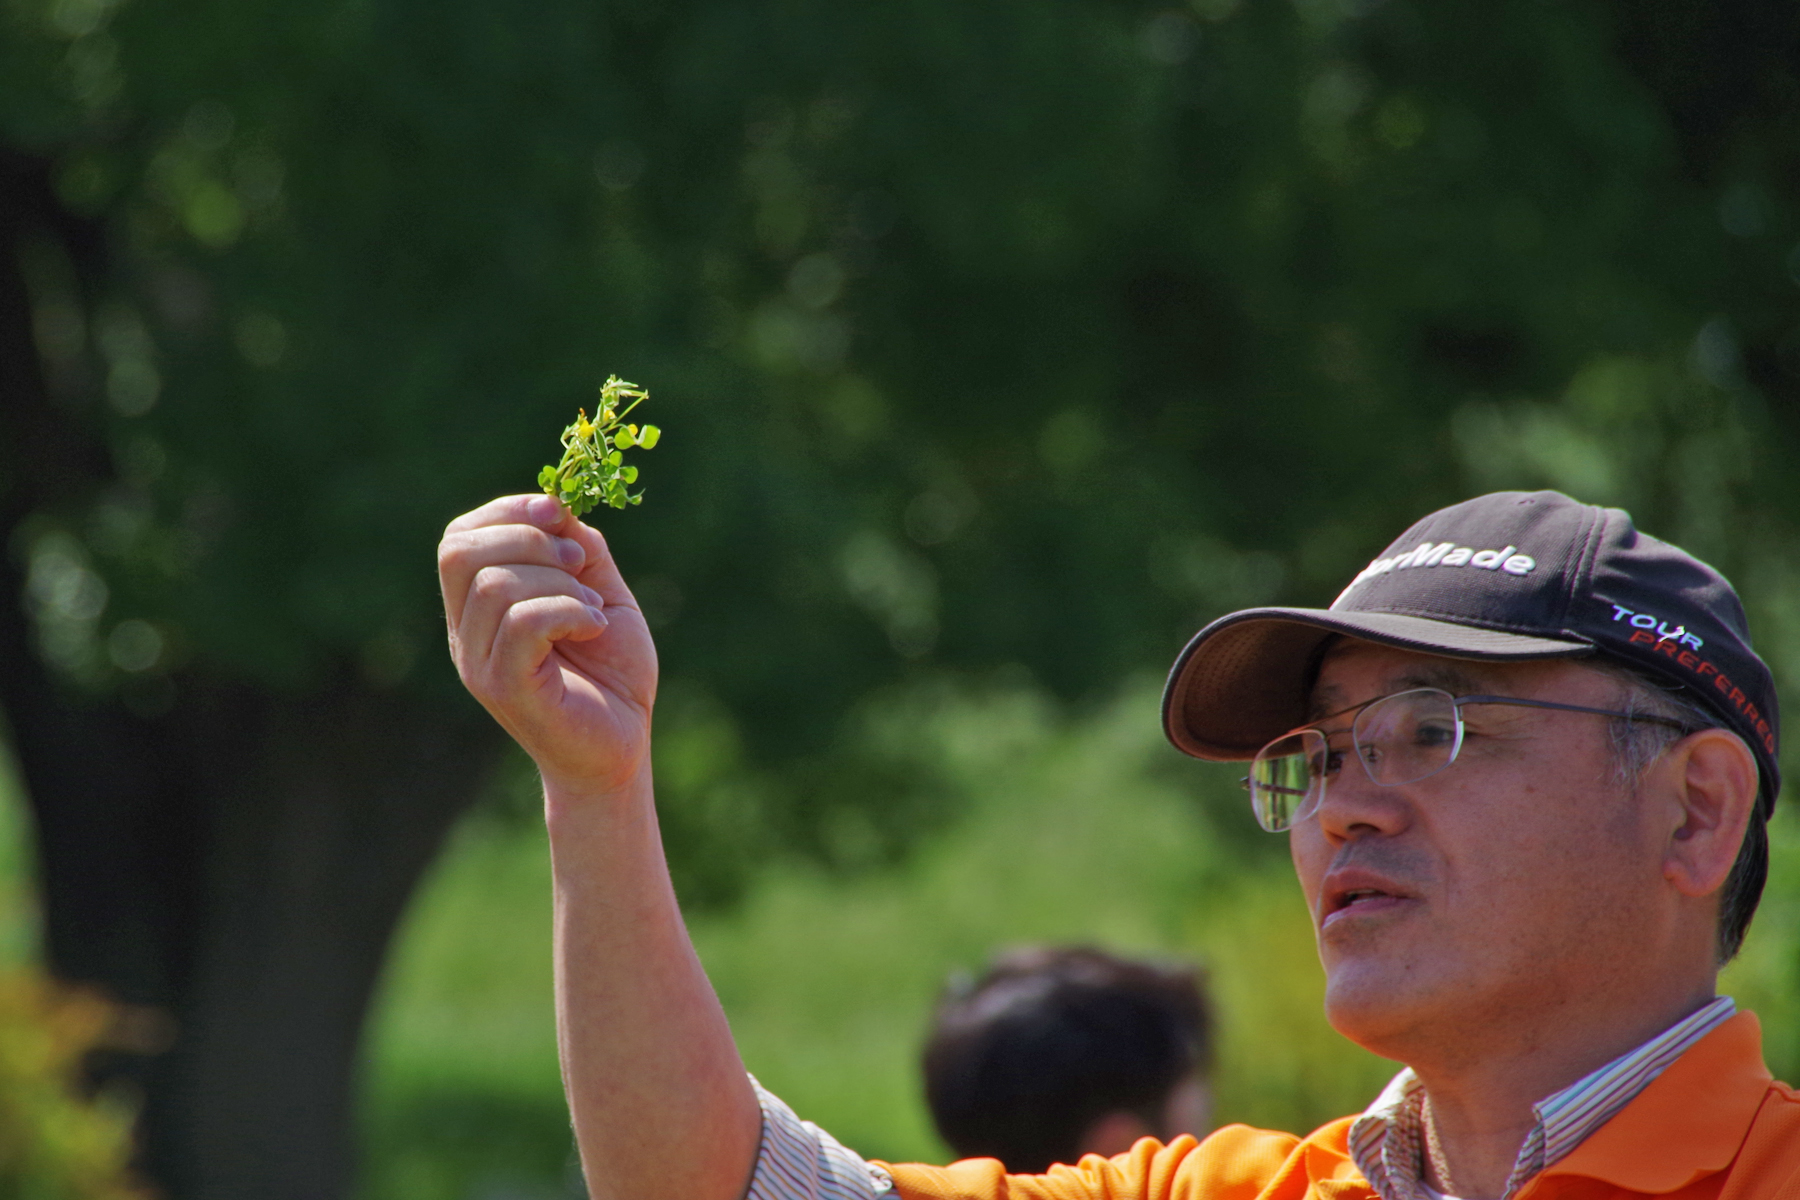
{"x": 1401, "y": 738}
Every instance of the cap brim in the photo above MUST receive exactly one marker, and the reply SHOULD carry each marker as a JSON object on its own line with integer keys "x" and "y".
{"x": 1242, "y": 681}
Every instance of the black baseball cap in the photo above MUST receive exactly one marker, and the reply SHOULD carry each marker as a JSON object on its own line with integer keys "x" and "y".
{"x": 1508, "y": 577}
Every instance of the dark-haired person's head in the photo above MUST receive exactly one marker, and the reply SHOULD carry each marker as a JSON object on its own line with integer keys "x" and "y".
{"x": 1058, "y": 1052}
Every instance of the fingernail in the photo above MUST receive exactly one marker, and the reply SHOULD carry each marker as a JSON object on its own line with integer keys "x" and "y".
{"x": 544, "y": 510}
{"x": 594, "y": 599}
{"x": 599, "y": 616}
{"x": 570, "y": 552}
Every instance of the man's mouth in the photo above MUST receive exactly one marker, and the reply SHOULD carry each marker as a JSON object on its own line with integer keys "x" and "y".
{"x": 1348, "y": 897}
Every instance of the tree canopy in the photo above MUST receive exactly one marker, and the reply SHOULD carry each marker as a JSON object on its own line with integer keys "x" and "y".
{"x": 1018, "y": 335}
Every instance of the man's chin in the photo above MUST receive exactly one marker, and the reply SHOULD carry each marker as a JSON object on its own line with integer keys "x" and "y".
{"x": 1377, "y": 1006}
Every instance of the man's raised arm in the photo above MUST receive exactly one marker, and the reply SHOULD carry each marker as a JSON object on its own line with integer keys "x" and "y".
{"x": 546, "y": 635}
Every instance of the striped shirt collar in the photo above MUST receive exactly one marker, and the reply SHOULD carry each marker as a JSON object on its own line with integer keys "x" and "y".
{"x": 1387, "y": 1141}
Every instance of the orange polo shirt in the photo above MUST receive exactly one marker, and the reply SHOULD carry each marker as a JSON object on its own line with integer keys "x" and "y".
{"x": 1713, "y": 1126}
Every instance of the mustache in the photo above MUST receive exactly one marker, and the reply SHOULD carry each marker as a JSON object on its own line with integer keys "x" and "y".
{"x": 1404, "y": 866}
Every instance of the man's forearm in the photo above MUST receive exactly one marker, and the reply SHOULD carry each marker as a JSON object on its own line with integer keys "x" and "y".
{"x": 660, "y": 1100}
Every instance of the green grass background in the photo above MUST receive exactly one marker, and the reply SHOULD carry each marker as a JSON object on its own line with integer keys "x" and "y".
{"x": 1085, "y": 829}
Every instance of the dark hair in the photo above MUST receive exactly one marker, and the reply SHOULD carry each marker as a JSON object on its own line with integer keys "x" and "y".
{"x": 1636, "y": 745}
{"x": 1023, "y": 1061}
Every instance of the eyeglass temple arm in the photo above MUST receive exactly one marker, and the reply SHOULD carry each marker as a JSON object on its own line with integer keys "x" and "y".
{"x": 1459, "y": 701}
{"x": 1271, "y": 787}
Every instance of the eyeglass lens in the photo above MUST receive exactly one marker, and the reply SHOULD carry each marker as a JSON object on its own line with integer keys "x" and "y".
{"x": 1399, "y": 739}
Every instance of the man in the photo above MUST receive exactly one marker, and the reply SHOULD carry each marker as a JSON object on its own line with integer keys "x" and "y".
{"x": 1524, "y": 761}
{"x": 1059, "y": 1052}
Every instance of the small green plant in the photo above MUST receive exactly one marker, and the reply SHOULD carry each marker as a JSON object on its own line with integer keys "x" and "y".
{"x": 592, "y": 471}
{"x": 55, "y": 1143}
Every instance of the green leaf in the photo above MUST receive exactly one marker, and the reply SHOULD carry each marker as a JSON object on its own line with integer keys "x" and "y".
{"x": 593, "y": 470}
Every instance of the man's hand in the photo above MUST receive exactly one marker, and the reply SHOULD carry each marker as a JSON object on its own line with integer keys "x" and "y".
{"x": 546, "y": 635}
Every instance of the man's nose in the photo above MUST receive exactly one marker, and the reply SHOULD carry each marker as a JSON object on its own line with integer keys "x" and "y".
{"x": 1354, "y": 805}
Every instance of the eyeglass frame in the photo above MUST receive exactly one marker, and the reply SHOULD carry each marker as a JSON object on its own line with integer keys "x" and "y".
{"x": 1456, "y": 704}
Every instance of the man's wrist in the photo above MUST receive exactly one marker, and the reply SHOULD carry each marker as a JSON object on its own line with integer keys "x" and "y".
{"x": 580, "y": 801}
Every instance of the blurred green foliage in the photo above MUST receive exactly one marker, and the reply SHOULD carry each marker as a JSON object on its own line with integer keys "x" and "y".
{"x": 56, "y": 1142}
{"x": 999, "y": 334}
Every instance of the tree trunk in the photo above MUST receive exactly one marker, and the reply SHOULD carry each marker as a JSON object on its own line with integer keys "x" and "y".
{"x": 319, "y": 814}
{"x": 231, "y": 869}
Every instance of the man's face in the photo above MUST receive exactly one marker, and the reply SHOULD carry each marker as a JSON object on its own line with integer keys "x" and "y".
{"x": 1521, "y": 880}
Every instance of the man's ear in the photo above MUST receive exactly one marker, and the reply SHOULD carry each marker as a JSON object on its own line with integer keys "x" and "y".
{"x": 1714, "y": 780}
